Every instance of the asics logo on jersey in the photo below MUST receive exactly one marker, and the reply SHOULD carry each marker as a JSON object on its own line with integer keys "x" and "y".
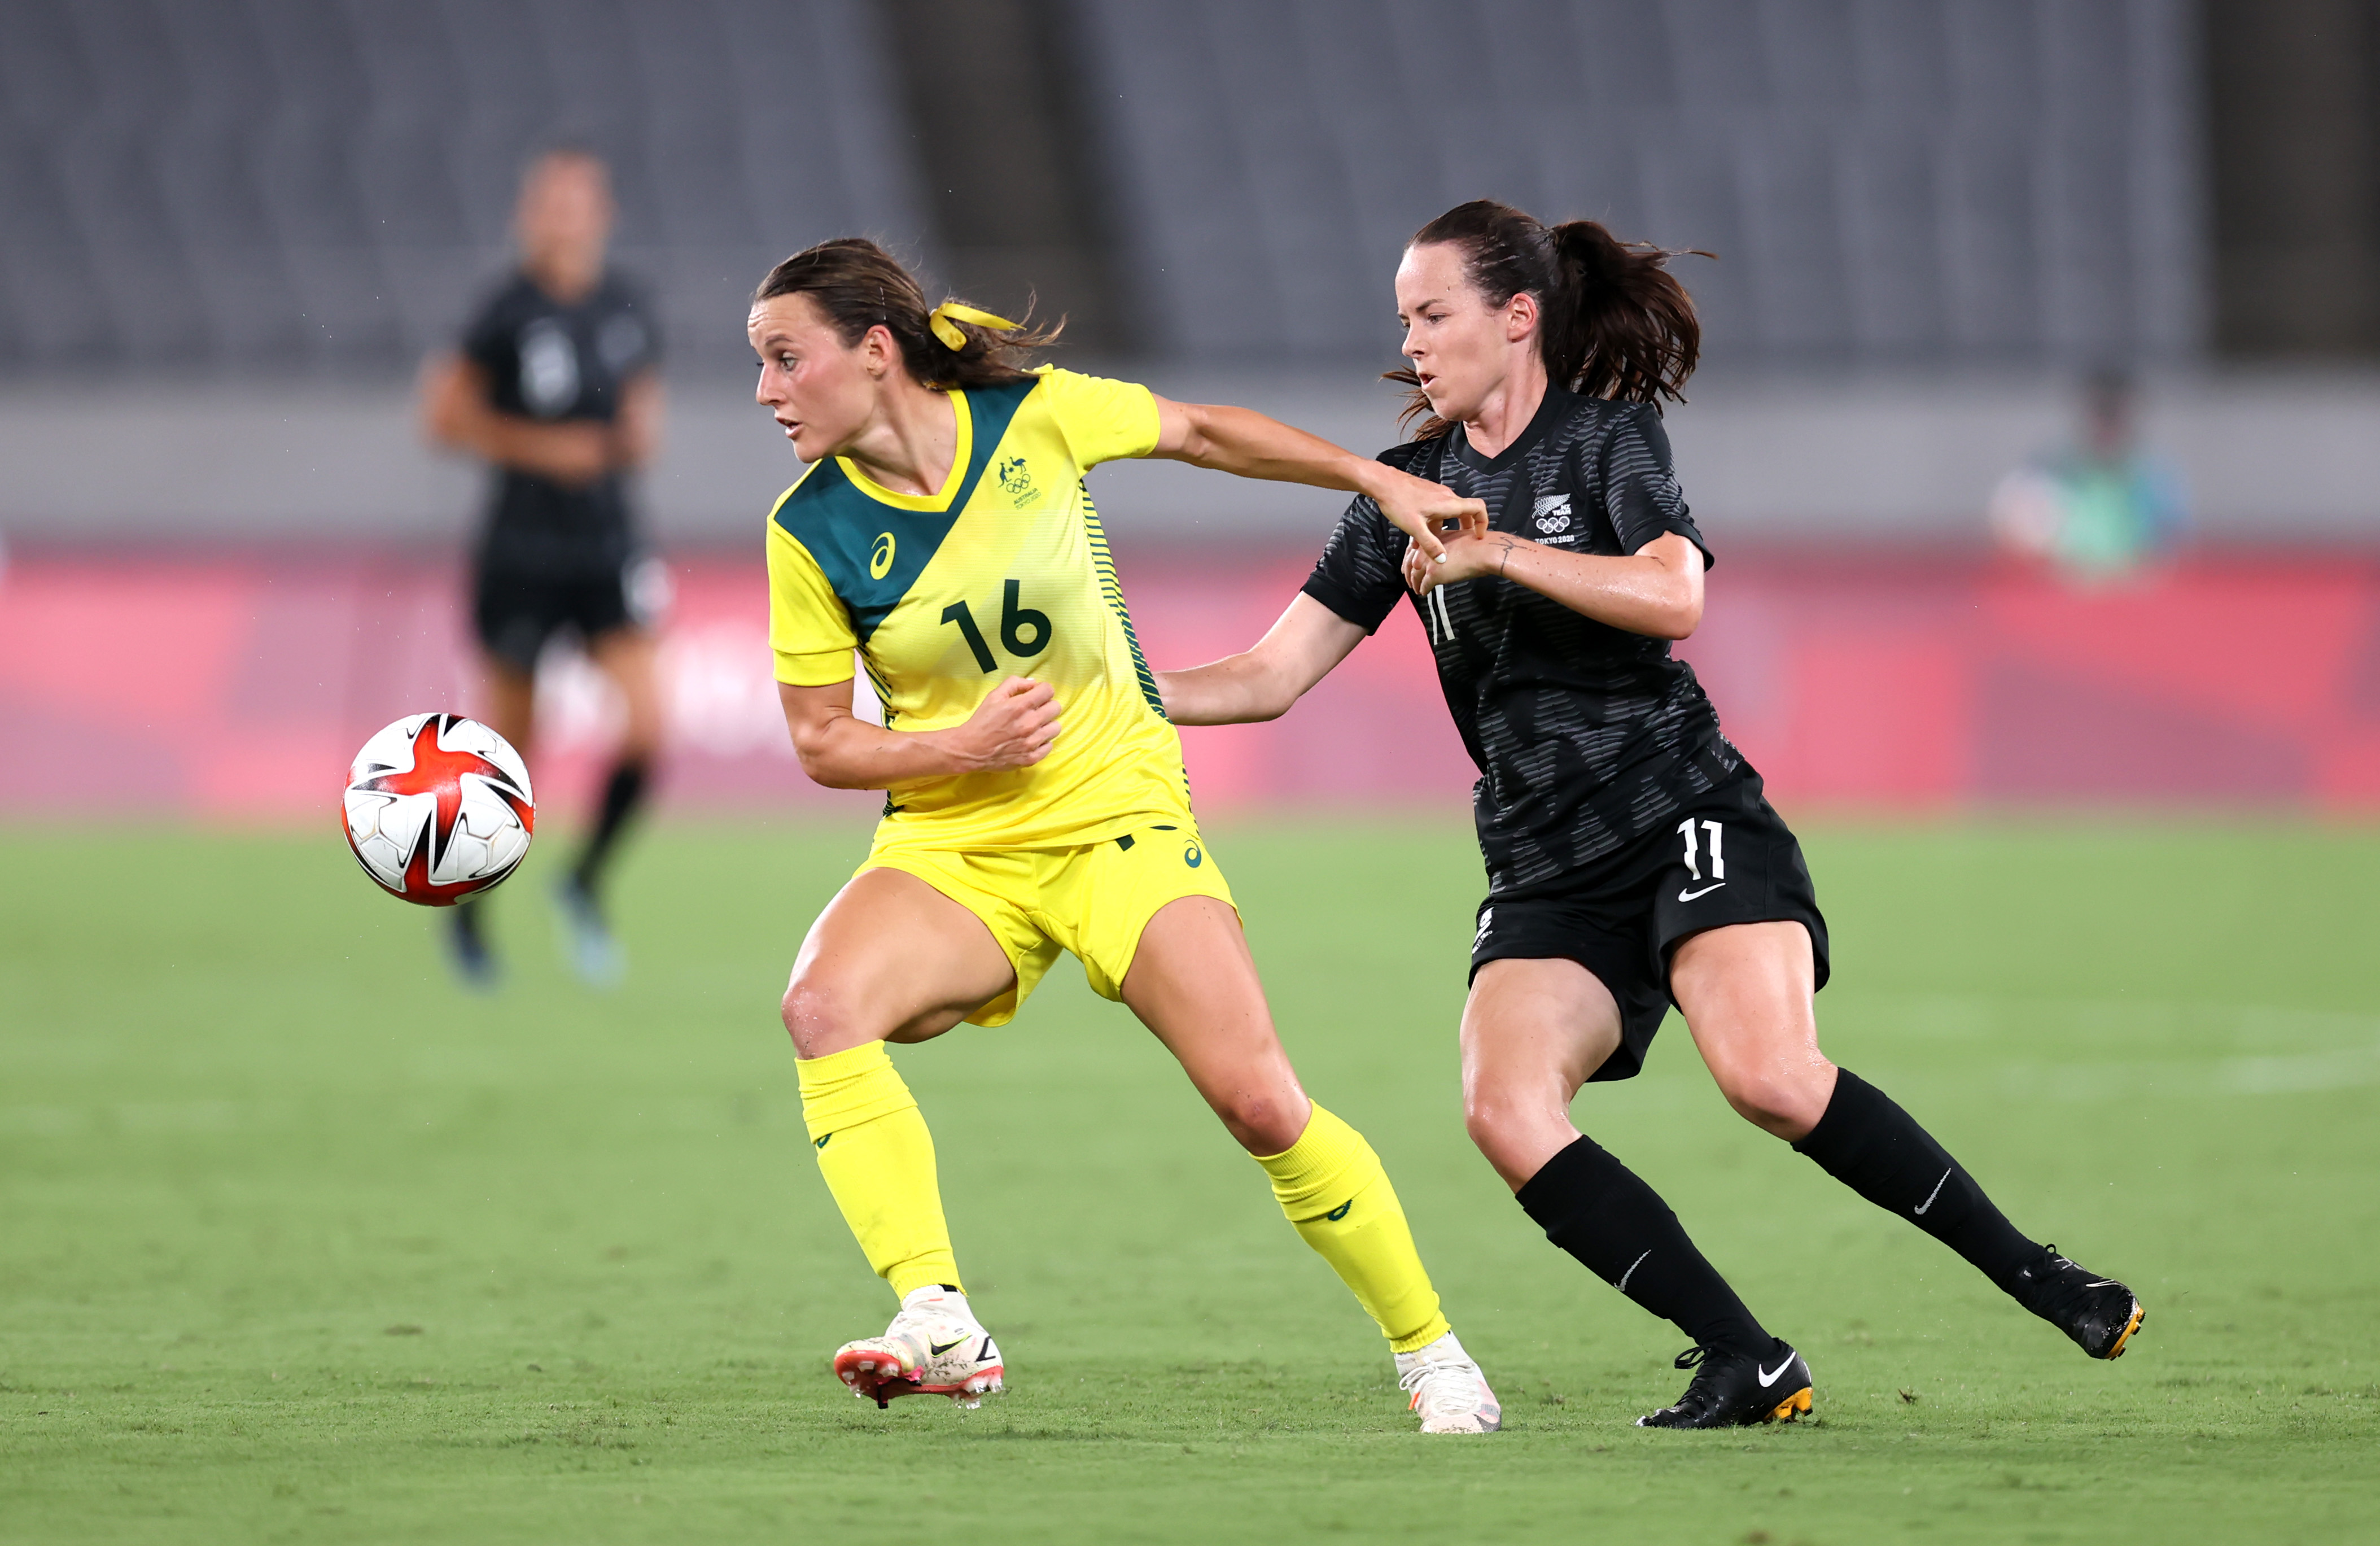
{"x": 1690, "y": 896}
{"x": 1771, "y": 1376}
{"x": 880, "y": 557}
{"x": 1340, "y": 1212}
{"x": 1932, "y": 1195}
{"x": 820, "y": 1143}
{"x": 1193, "y": 856}
{"x": 1487, "y": 915}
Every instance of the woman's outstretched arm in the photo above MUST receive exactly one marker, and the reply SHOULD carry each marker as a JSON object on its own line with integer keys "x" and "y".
{"x": 1656, "y": 591}
{"x": 1262, "y": 682}
{"x": 1244, "y": 442}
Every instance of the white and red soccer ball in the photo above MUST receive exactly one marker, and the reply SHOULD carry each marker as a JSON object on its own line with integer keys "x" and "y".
{"x": 438, "y": 808}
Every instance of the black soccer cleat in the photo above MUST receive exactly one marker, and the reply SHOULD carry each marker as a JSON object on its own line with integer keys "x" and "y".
{"x": 2099, "y": 1313}
{"x": 1732, "y": 1391}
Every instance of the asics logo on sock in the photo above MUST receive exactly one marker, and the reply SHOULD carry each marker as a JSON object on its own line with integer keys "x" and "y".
{"x": 1340, "y": 1212}
{"x": 1690, "y": 896}
{"x": 1932, "y": 1195}
{"x": 820, "y": 1143}
{"x": 1771, "y": 1376}
{"x": 1622, "y": 1284}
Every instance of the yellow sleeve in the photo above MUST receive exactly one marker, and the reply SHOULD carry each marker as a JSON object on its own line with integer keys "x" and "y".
{"x": 1103, "y": 421}
{"x": 809, "y": 626}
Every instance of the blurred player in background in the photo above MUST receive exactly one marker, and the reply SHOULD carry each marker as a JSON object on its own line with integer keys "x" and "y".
{"x": 1633, "y": 860}
{"x": 555, "y": 387}
{"x": 2101, "y": 507}
{"x": 944, "y": 531}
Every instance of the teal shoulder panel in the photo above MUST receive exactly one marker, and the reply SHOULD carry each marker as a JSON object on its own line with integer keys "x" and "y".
{"x": 993, "y": 408}
{"x": 872, "y": 553}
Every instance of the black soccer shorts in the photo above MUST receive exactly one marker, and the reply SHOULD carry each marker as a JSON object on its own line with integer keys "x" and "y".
{"x": 1724, "y": 858}
{"x": 515, "y": 611}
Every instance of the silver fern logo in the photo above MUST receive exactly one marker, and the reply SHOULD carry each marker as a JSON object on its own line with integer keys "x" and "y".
{"x": 1553, "y": 512}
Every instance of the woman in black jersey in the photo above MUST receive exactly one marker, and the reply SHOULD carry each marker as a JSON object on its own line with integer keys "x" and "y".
{"x": 556, "y": 388}
{"x": 1633, "y": 862}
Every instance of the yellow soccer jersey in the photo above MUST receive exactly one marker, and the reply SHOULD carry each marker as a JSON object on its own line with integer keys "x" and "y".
{"x": 1003, "y": 572}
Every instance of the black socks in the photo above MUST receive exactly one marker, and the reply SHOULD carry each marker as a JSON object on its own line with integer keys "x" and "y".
{"x": 1878, "y": 1150}
{"x": 1603, "y": 1214}
{"x": 622, "y": 794}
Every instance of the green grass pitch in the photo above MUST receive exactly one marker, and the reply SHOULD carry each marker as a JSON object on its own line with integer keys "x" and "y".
{"x": 299, "y": 1244}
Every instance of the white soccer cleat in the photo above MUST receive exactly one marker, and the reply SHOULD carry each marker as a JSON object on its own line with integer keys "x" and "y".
{"x": 1448, "y": 1389}
{"x": 934, "y": 1346}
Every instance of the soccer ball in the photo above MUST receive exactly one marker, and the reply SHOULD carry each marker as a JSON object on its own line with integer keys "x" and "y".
{"x": 438, "y": 808}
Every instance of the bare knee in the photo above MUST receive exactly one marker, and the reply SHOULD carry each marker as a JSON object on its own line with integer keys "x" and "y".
{"x": 819, "y": 1018}
{"x": 1262, "y": 1122}
{"x": 1783, "y": 1103}
{"x": 1495, "y": 1120}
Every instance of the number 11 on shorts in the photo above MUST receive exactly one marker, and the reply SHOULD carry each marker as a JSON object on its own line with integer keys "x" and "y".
{"x": 1718, "y": 859}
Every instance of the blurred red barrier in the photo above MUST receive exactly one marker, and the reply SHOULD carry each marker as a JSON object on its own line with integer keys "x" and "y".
{"x": 241, "y": 685}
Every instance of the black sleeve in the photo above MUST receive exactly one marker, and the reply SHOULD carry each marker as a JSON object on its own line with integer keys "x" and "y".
{"x": 1640, "y": 488}
{"x": 1361, "y": 573}
{"x": 489, "y": 340}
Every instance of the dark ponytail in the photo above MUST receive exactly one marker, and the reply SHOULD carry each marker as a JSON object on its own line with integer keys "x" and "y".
{"x": 858, "y": 285}
{"x": 1614, "y": 320}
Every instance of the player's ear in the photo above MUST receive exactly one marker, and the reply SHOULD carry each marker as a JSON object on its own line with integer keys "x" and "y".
{"x": 878, "y": 352}
{"x": 1520, "y": 316}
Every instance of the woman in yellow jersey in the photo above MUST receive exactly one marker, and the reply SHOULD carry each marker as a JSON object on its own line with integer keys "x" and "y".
{"x": 1035, "y": 795}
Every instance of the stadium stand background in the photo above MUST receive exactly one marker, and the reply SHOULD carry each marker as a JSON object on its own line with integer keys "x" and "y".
{"x": 229, "y": 230}
{"x": 1928, "y": 217}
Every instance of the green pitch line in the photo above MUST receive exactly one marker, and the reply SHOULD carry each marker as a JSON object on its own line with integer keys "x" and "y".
{"x": 296, "y": 1243}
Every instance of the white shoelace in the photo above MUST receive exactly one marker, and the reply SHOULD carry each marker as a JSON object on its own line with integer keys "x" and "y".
{"x": 1472, "y": 1384}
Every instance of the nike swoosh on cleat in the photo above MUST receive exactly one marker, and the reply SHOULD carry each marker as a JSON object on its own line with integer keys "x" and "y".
{"x": 937, "y": 1348}
{"x": 1690, "y": 896}
{"x": 2104, "y": 1282}
{"x": 1932, "y": 1195}
{"x": 1769, "y": 1377}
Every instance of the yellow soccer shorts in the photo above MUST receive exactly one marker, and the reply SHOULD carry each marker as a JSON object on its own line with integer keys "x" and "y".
{"x": 1093, "y": 901}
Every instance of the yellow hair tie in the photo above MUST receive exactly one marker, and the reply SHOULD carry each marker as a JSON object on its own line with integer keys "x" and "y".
{"x": 947, "y": 330}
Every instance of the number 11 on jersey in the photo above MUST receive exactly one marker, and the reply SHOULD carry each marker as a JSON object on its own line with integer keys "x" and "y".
{"x": 1718, "y": 859}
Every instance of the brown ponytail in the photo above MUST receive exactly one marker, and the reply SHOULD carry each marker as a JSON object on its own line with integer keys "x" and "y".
{"x": 858, "y": 285}
{"x": 1615, "y": 323}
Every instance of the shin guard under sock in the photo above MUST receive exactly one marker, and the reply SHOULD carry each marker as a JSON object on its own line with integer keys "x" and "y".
{"x": 1335, "y": 1192}
{"x": 1603, "y": 1214}
{"x": 1878, "y": 1150}
{"x": 878, "y": 1160}
{"x": 623, "y": 792}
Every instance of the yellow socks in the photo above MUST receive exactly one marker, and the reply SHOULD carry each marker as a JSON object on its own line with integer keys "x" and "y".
{"x": 878, "y": 1162}
{"x": 878, "y": 1159}
{"x": 1332, "y": 1187}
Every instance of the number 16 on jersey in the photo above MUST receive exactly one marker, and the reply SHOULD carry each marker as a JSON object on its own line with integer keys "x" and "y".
{"x": 1023, "y": 632}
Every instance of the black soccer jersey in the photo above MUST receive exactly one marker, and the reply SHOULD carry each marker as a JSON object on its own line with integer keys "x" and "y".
{"x": 1585, "y": 736}
{"x": 547, "y": 360}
